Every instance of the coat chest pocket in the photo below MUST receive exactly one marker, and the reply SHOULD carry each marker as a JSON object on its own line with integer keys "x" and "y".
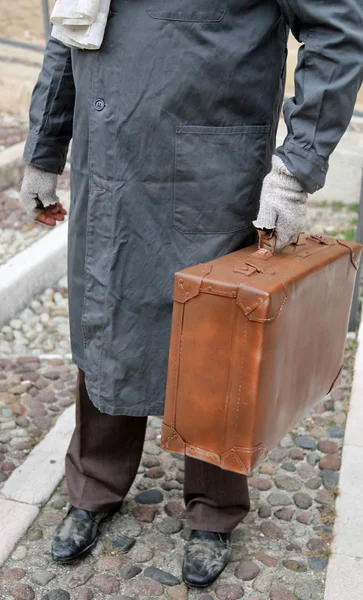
{"x": 197, "y": 11}
{"x": 218, "y": 174}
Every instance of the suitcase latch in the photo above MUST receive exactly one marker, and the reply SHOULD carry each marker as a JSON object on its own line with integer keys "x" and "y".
{"x": 326, "y": 241}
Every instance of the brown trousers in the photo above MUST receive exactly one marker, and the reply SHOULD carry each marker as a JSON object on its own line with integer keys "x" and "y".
{"x": 104, "y": 456}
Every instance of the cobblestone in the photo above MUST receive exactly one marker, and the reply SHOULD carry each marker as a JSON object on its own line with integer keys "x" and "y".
{"x": 170, "y": 526}
{"x": 267, "y": 560}
{"x": 105, "y": 583}
{"x": 247, "y": 570}
{"x": 281, "y": 593}
{"x": 57, "y": 594}
{"x": 279, "y": 499}
{"x": 80, "y": 576}
{"x": 161, "y": 576}
{"x": 130, "y": 571}
{"x": 290, "y": 484}
{"x": 302, "y": 500}
{"x": 22, "y": 591}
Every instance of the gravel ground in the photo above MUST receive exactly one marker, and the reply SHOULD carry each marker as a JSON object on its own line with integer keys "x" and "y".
{"x": 279, "y": 553}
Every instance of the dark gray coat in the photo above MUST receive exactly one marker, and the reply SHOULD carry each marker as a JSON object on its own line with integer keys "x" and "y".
{"x": 173, "y": 124}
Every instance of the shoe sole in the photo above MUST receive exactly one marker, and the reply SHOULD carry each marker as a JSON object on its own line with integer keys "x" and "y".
{"x": 198, "y": 587}
{"x": 64, "y": 561}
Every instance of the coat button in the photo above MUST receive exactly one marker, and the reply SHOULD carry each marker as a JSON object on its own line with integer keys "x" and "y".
{"x": 100, "y": 104}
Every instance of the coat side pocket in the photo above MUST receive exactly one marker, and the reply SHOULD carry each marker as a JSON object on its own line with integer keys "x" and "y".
{"x": 218, "y": 174}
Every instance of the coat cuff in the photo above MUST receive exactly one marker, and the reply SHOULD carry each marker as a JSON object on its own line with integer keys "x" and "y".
{"x": 309, "y": 168}
{"x": 45, "y": 153}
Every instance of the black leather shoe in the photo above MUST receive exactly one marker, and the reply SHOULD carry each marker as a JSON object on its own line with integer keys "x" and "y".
{"x": 206, "y": 556}
{"x": 76, "y": 534}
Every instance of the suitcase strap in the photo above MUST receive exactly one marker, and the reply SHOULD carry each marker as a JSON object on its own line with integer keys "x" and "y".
{"x": 305, "y": 251}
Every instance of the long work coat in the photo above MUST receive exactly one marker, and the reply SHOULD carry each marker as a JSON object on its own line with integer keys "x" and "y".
{"x": 173, "y": 123}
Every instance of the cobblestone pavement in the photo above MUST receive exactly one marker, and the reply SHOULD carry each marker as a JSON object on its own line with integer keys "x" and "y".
{"x": 279, "y": 553}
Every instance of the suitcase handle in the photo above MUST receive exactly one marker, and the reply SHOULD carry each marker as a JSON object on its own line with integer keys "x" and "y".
{"x": 265, "y": 238}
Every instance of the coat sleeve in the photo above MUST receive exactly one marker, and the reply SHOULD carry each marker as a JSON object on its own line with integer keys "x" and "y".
{"x": 328, "y": 76}
{"x": 51, "y": 111}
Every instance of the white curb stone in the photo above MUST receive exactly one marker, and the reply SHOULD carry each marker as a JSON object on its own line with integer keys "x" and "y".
{"x": 354, "y": 429}
{"x": 348, "y": 538}
{"x": 15, "y": 519}
{"x": 31, "y": 271}
{"x": 35, "y": 480}
{"x": 344, "y": 579}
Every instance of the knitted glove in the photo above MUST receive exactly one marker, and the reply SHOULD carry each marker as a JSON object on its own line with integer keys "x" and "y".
{"x": 283, "y": 205}
{"x": 38, "y": 190}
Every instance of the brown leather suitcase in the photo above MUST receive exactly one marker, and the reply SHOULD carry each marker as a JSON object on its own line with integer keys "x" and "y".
{"x": 257, "y": 338}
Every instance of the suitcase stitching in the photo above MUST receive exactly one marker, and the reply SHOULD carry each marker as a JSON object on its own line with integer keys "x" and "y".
{"x": 177, "y": 358}
{"x": 240, "y": 386}
{"x": 230, "y": 379}
{"x": 276, "y": 315}
{"x": 210, "y": 290}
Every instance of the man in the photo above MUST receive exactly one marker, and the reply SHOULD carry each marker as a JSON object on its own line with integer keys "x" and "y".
{"x": 173, "y": 123}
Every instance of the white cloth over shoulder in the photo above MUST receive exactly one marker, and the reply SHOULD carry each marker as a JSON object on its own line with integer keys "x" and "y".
{"x": 80, "y": 23}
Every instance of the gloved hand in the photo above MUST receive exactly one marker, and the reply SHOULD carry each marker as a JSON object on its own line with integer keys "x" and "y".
{"x": 38, "y": 190}
{"x": 283, "y": 205}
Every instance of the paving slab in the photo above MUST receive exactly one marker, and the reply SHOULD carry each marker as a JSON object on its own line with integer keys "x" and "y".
{"x": 15, "y": 519}
{"x": 348, "y": 538}
{"x": 347, "y": 545}
{"x": 354, "y": 431}
{"x": 344, "y": 578}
